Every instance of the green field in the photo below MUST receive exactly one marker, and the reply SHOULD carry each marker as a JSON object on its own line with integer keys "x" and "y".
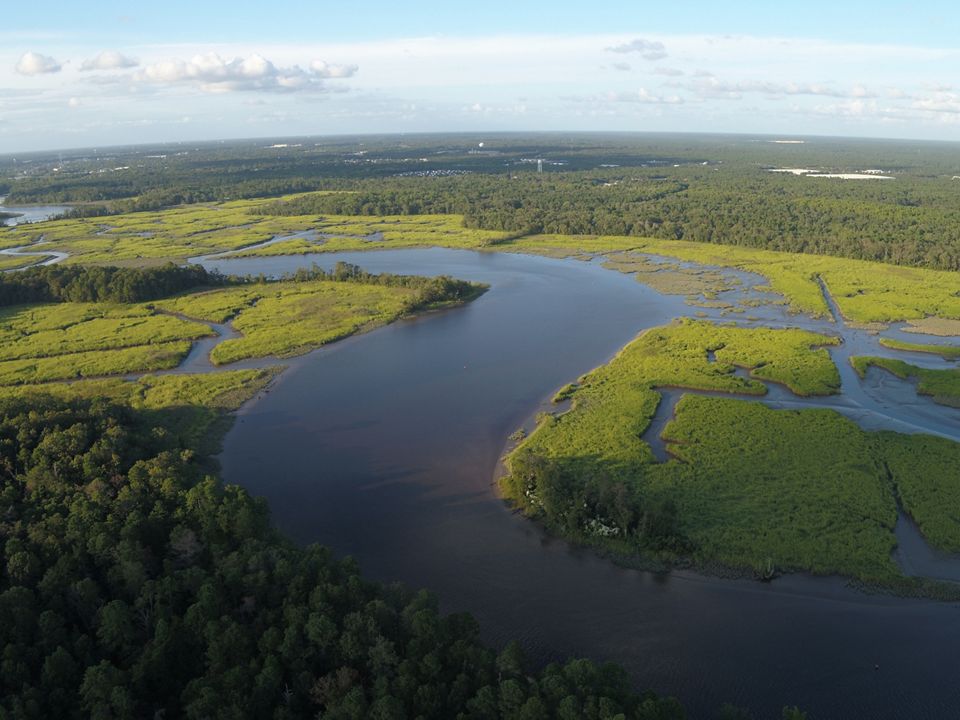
{"x": 613, "y": 405}
{"x": 142, "y": 358}
{"x": 865, "y": 291}
{"x": 749, "y": 488}
{"x": 284, "y": 319}
{"x": 942, "y": 385}
{"x": 800, "y": 488}
{"x": 45, "y": 342}
{"x": 924, "y": 470}
{"x": 947, "y": 352}
{"x": 752, "y": 489}
{"x": 9, "y": 262}
{"x": 144, "y": 238}
{"x": 352, "y": 233}
{"x": 192, "y": 404}
{"x": 225, "y": 389}
{"x": 63, "y": 341}
{"x": 20, "y": 336}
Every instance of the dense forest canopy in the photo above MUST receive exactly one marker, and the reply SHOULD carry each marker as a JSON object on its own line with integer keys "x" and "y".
{"x": 77, "y": 283}
{"x": 869, "y": 220}
{"x": 134, "y": 585}
{"x": 715, "y": 189}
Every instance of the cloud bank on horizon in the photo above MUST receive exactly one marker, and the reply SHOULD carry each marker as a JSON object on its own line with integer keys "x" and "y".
{"x": 60, "y": 92}
{"x": 211, "y": 73}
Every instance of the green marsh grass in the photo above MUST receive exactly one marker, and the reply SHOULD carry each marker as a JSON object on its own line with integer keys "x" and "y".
{"x": 749, "y": 488}
{"x": 942, "y": 385}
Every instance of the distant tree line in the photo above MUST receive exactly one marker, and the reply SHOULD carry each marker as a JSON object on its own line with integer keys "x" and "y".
{"x": 703, "y": 189}
{"x": 91, "y": 283}
{"x": 914, "y": 223}
{"x": 152, "y": 199}
{"x": 79, "y": 283}
{"x": 134, "y": 586}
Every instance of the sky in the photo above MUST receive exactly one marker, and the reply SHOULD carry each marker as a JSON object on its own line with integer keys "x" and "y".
{"x": 104, "y": 73}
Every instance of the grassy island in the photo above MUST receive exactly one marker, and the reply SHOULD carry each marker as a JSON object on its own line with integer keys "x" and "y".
{"x": 748, "y": 488}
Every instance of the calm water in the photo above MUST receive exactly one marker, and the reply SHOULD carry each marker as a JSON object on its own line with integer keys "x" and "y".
{"x": 383, "y": 447}
{"x": 30, "y": 213}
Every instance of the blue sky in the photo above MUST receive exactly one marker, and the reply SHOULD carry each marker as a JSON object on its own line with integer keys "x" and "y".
{"x": 99, "y": 73}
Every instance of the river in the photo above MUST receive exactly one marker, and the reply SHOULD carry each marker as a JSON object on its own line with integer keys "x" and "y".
{"x": 29, "y": 213}
{"x": 383, "y": 446}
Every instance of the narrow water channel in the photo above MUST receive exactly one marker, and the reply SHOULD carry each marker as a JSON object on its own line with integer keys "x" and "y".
{"x": 384, "y": 446}
{"x": 29, "y": 214}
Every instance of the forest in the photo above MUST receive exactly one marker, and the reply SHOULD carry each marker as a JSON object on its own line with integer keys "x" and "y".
{"x": 136, "y": 585}
{"x": 700, "y": 188}
{"x": 748, "y": 207}
{"x": 62, "y": 283}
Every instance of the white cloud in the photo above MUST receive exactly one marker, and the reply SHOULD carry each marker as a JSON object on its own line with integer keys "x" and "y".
{"x": 74, "y": 102}
{"x": 109, "y": 60}
{"x": 648, "y": 49}
{"x": 499, "y": 110}
{"x": 939, "y": 102}
{"x": 645, "y": 97}
{"x": 668, "y": 71}
{"x": 712, "y": 87}
{"x": 212, "y": 73}
{"x": 732, "y": 84}
{"x": 327, "y": 70}
{"x": 32, "y": 63}
{"x": 851, "y": 108}
{"x": 858, "y": 111}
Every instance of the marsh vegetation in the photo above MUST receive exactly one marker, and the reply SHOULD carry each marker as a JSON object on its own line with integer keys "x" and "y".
{"x": 942, "y": 385}
{"x": 745, "y": 488}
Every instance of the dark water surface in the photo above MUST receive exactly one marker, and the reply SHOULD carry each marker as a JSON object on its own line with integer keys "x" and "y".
{"x": 383, "y": 447}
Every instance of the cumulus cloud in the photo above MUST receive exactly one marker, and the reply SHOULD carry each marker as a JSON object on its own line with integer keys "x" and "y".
{"x": 648, "y": 49}
{"x": 327, "y": 70}
{"x": 32, "y": 63}
{"x": 212, "y": 73}
{"x": 109, "y": 60}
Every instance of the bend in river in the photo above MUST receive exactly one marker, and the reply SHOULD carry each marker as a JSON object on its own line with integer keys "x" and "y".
{"x": 383, "y": 447}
